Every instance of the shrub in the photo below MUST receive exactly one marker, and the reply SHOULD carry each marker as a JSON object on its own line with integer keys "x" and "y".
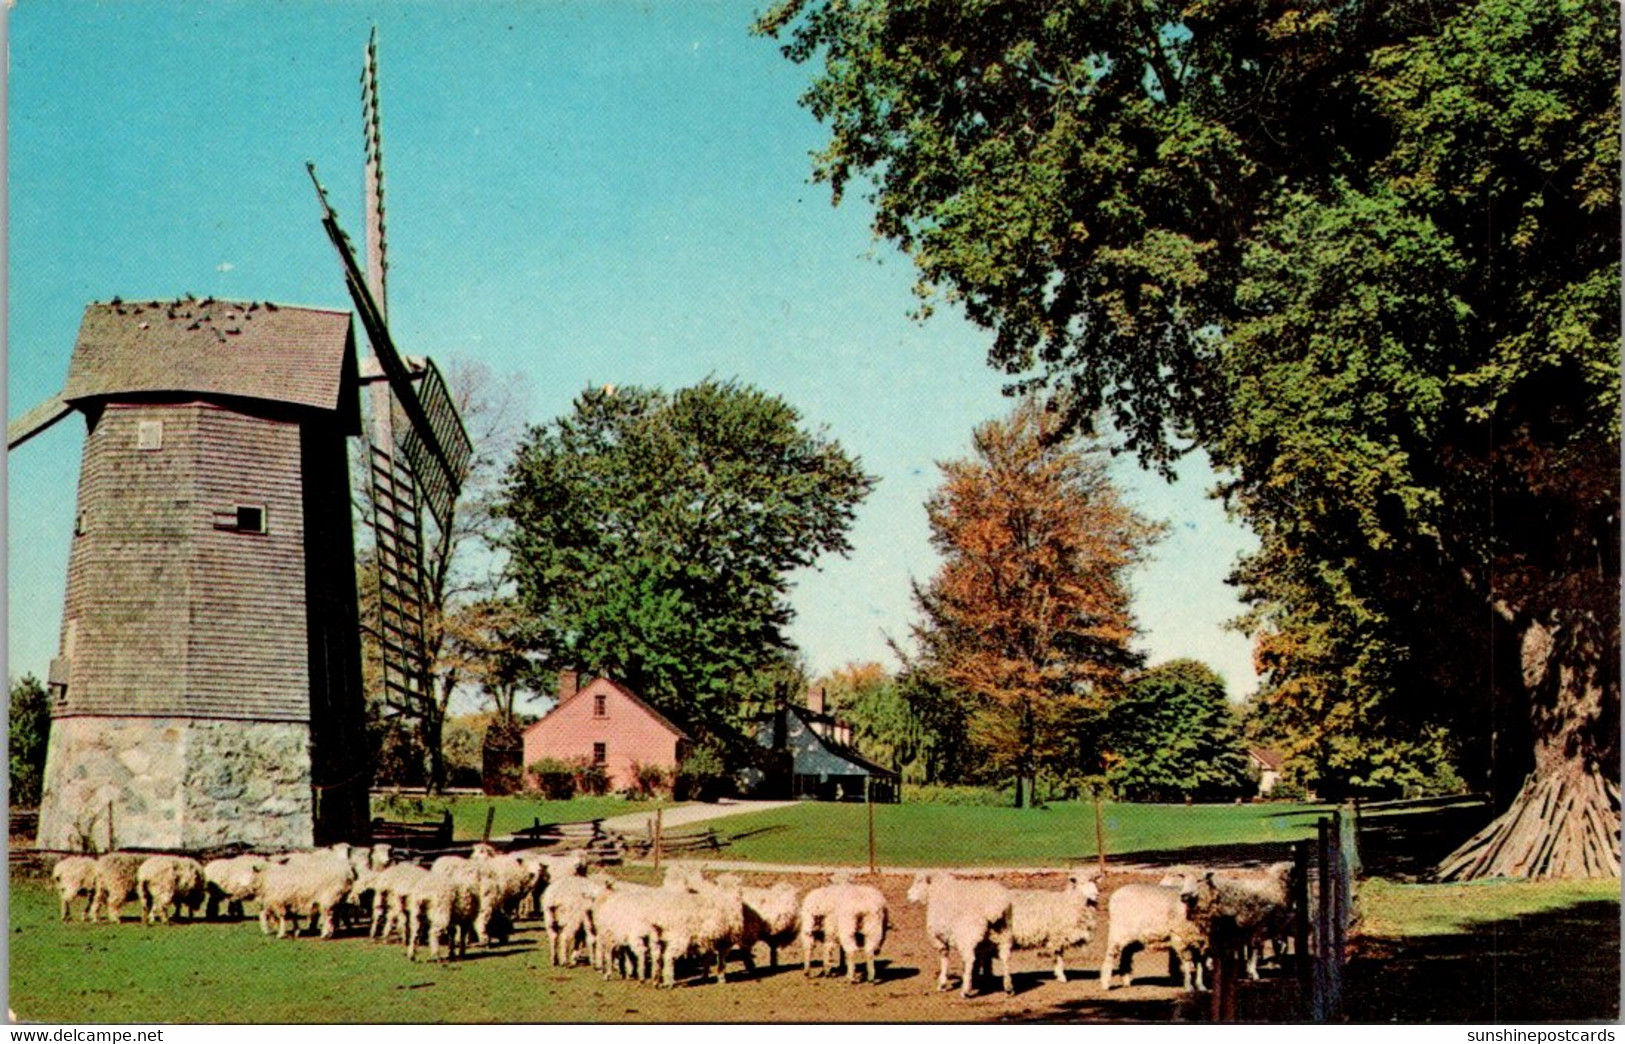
{"x": 590, "y": 777}
{"x": 650, "y": 781}
{"x": 953, "y": 794}
{"x": 556, "y": 779}
{"x": 701, "y": 776}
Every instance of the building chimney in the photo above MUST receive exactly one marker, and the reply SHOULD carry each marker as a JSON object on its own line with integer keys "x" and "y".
{"x": 815, "y": 699}
{"x": 569, "y": 684}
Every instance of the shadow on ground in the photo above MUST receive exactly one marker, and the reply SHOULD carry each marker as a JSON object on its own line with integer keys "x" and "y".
{"x": 1255, "y": 854}
{"x": 1407, "y": 845}
{"x": 1556, "y": 966}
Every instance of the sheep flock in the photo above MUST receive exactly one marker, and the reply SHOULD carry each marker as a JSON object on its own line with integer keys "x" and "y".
{"x": 712, "y": 925}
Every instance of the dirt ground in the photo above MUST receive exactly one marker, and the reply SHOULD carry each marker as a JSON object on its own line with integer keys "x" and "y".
{"x": 907, "y": 972}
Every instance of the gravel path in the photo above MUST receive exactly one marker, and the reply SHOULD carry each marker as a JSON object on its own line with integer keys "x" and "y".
{"x": 636, "y": 824}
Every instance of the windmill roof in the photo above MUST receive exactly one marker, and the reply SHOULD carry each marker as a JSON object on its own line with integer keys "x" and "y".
{"x": 213, "y": 347}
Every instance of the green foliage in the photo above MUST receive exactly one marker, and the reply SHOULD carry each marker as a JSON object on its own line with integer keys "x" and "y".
{"x": 591, "y": 779}
{"x": 554, "y": 777}
{"x": 651, "y": 781}
{"x": 653, "y": 534}
{"x": 462, "y": 743}
{"x": 1365, "y": 254}
{"x": 28, "y": 727}
{"x": 702, "y": 775}
{"x": 950, "y": 794}
{"x": 1174, "y": 736}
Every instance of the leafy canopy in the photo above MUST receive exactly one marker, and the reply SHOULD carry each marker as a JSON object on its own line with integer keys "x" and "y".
{"x": 1173, "y": 734}
{"x": 652, "y": 535}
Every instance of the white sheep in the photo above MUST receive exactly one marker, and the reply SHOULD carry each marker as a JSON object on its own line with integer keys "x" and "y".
{"x": 74, "y": 876}
{"x": 846, "y": 918}
{"x": 443, "y": 904}
{"x": 315, "y": 883}
{"x": 624, "y": 919}
{"x": 963, "y": 914}
{"x": 772, "y": 915}
{"x": 700, "y": 918}
{"x": 390, "y": 887}
{"x": 504, "y": 881}
{"x": 233, "y": 882}
{"x": 1257, "y": 906}
{"x": 1145, "y": 916}
{"x": 1052, "y": 922}
{"x": 567, "y": 909}
{"x": 546, "y": 867}
{"x": 168, "y": 883}
{"x": 115, "y": 883}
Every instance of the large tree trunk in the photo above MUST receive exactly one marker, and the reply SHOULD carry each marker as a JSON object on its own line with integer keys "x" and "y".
{"x": 1565, "y": 821}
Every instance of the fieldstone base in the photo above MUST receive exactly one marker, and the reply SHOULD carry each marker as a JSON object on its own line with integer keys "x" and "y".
{"x": 175, "y": 783}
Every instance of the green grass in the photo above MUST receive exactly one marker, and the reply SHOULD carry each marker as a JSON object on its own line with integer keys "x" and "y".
{"x": 1396, "y": 910}
{"x": 1064, "y": 832}
{"x": 512, "y": 813}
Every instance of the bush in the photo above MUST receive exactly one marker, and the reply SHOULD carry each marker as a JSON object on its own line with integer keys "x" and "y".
{"x": 29, "y": 726}
{"x": 701, "y": 776}
{"x": 953, "y": 794}
{"x": 556, "y": 779}
{"x": 650, "y": 781}
{"x": 590, "y": 777}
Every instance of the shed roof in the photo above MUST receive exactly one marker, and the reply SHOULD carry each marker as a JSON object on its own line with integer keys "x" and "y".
{"x": 236, "y": 348}
{"x": 1267, "y": 758}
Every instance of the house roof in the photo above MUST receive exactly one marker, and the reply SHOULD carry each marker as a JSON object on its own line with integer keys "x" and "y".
{"x": 838, "y": 749}
{"x": 659, "y": 718}
{"x": 233, "y": 348}
{"x": 1270, "y": 759}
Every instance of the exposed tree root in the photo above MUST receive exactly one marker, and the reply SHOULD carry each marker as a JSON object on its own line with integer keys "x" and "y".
{"x": 1562, "y": 825}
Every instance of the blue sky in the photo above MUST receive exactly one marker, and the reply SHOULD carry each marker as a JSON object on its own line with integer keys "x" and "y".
{"x": 579, "y": 193}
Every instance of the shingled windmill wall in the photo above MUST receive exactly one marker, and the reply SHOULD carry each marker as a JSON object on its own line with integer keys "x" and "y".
{"x": 208, "y": 689}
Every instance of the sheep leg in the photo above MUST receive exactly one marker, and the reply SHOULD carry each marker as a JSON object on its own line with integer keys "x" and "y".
{"x": 942, "y": 971}
{"x": 967, "y": 960}
{"x": 1108, "y": 967}
{"x": 1060, "y": 968}
{"x": 1004, "y": 964}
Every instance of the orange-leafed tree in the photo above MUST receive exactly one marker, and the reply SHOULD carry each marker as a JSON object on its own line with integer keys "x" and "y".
{"x": 1029, "y": 614}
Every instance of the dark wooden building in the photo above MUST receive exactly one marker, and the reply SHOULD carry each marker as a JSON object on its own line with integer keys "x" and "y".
{"x": 208, "y": 689}
{"x": 812, "y": 756}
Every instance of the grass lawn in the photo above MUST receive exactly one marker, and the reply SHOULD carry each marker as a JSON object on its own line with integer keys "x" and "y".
{"x": 512, "y": 813}
{"x": 1062, "y": 833}
{"x": 1487, "y": 951}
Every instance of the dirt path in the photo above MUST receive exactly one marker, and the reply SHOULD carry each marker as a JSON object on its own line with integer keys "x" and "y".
{"x": 636, "y": 824}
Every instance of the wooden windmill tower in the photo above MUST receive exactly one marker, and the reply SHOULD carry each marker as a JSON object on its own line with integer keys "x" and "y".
{"x": 208, "y": 688}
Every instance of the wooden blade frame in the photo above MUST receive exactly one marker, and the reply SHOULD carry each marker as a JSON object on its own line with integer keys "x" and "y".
{"x": 443, "y": 457}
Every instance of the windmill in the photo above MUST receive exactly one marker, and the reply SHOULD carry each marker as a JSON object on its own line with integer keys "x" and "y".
{"x": 418, "y": 452}
{"x": 208, "y": 690}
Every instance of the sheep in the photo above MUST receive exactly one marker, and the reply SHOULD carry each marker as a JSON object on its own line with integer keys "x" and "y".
{"x": 1050, "y": 922}
{"x": 1145, "y": 915}
{"x": 847, "y": 916}
{"x": 390, "y": 887}
{"x": 309, "y": 882}
{"x": 1257, "y": 907}
{"x": 624, "y": 917}
{"x": 567, "y": 909}
{"x": 504, "y": 881}
{"x": 700, "y": 918}
{"x": 547, "y": 867}
{"x": 444, "y": 903}
{"x": 74, "y": 876}
{"x": 115, "y": 883}
{"x": 965, "y": 915}
{"x": 772, "y": 915}
{"x": 232, "y": 881}
{"x": 167, "y": 883}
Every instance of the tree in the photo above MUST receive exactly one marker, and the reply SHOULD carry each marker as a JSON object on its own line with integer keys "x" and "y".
{"x": 463, "y": 579}
{"x": 1029, "y": 612}
{"x": 1366, "y": 254}
{"x": 1173, "y": 734}
{"x": 885, "y": 725}
{"x": 652, "y": 536}
{"x": 28, "y": 727}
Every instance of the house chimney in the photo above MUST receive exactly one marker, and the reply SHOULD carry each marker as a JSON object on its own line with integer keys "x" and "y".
{"x": 569, "y": 684}
{"x": 815, "y": 699}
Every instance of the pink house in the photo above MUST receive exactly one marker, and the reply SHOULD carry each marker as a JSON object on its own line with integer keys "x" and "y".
{"x": 605, "y": 722}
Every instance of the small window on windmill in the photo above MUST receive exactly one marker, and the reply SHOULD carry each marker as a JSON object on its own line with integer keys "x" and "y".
{"x": 242, "y": 518}
{"x": 79, "y": 524}
{"x": 149, "y": 435}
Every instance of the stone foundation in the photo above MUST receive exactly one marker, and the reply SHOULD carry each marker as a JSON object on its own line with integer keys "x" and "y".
{"x": 176, "y": 783}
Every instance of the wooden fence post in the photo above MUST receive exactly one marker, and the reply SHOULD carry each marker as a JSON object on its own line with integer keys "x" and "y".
{"x": 1300, "y": 917}
{"x": 490, "y": 815}
{"x": 1320, "y": 1009}
{"x": 1100, "y": 834}
{"x": 868, "y": 799}
{"x": 657, "y": 839}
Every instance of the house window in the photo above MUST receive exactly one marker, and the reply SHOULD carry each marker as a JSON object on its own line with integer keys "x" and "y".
{"x": 598, "y": 753}
{"x": 244, "y": 518}
{"x": 600, "y": 705}
{"x": 149, "y": 435}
